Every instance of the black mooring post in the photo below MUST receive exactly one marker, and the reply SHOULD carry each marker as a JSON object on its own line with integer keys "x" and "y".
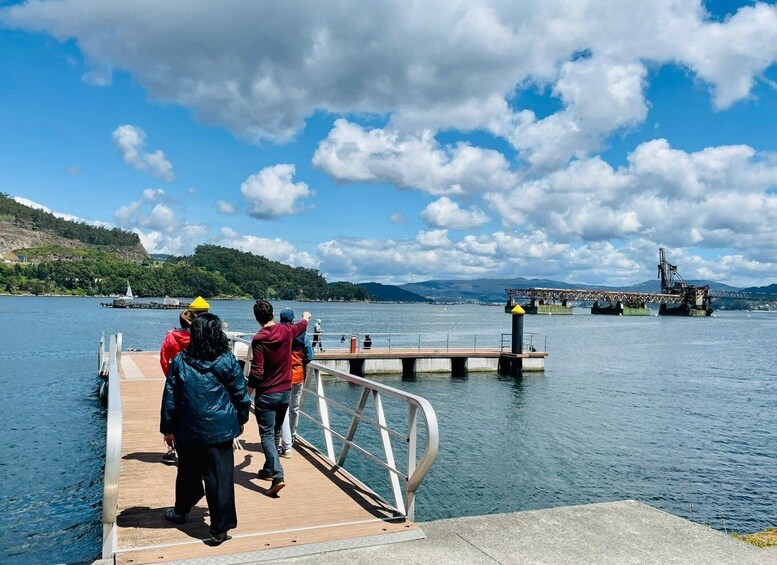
{"x": 408, "y": 369}
{"x": 357, "y": 367}
{"x": 458, "y": 367}
{"x": 517, "y": 344}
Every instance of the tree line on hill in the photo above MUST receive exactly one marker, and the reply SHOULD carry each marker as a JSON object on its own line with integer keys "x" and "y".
{"x": 212, "y": 271}
{"x": 98, "y": 269}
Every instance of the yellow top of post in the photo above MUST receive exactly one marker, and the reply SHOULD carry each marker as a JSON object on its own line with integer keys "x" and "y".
{"x": 199, "y": 305}
{"x": 517, "y": 311}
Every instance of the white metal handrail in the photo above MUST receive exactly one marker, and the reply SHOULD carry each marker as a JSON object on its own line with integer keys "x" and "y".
{"x": 112, "y": 449}
{"x": 531, "y": 342}
{"x": 404, "y": 499}
{"x": 407, "y": 342}
{"x": 416, "y": 469}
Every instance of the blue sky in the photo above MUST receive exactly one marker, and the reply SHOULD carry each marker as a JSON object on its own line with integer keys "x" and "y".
{"x": 398, "y": 142}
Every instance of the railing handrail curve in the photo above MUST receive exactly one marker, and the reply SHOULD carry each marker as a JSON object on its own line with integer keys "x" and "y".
{"x": 112, "y": 449}
{"x": 417, "y": 470}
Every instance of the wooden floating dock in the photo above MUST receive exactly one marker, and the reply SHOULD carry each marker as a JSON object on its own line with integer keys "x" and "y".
{"x": 457, "y": 361}
{"x": 132, "y": 305}
{"x": 322, "y": 506}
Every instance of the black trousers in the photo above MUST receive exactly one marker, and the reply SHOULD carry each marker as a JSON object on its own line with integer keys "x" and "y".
{"x": 213, "y": 465}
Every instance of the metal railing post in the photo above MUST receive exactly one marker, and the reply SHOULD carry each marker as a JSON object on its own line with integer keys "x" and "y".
{"x": 323, "y": 410}
{"x": 412, "y": 440}
{"x": 388, "y": 452}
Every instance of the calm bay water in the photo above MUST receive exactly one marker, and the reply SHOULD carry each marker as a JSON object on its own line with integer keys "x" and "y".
{"x": 679, "y": 413}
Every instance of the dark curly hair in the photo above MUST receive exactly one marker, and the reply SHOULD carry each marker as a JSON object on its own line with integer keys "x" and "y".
{"x": 208, "y": 340}
{"x": 263, "y": 311}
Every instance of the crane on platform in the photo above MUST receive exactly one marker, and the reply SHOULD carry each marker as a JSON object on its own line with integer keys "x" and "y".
{"x": 696, "y": 300}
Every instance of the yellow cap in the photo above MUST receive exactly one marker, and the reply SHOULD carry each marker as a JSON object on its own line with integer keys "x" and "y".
{"x": 199, "y": 305}
{"x": 517, "y": 310}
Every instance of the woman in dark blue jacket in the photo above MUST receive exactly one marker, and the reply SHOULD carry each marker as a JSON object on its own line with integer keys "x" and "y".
{"x": 204, "y": 407}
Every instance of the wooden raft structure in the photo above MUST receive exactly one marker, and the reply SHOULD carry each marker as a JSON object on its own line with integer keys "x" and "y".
{"x": 321, "y": 509}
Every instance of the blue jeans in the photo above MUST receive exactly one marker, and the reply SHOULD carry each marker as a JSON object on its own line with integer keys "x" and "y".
{"x": 270, "y": 411}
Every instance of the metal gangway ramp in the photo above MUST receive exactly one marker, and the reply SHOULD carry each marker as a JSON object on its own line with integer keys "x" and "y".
{"x": 322, "y": 508}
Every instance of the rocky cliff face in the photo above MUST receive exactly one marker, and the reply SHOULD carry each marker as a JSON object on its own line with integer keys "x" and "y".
{"x": 15, "y": 238}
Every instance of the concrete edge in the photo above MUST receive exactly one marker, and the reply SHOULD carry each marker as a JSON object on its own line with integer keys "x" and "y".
{"x": 305, "y": 549}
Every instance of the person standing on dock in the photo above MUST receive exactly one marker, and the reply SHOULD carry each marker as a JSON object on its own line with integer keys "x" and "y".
{"x": 175, "y": 341}
{"x": 204, "y": 407}
{"x": 317, "y": 339}
{"x": 301, "y": 354}
{"x": 270, "y": 377}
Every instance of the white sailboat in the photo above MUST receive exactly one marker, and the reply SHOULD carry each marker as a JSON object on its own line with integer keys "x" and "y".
{"x": 128, "y": 295}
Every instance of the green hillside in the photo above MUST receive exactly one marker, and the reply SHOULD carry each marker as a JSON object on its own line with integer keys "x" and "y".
{"x": 73, "y": 258}
{"x": 391, "y": 293}
{"x": 260, "y": 277}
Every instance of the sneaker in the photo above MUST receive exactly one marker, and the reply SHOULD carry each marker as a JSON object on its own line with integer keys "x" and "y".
{"x": 217, "y": 539}
{"x": 265, "y": 474}
{"x": 286, "y": 453}
{"x": 169, "y": 458}
{"x": 173, "y": 517}
{"x": 277, "y": 485}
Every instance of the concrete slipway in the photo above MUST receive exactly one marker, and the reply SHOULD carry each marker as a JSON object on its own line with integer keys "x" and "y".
{"x": 614, "y": 533}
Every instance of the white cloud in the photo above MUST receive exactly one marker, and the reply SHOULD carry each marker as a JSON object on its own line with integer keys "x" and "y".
{"x": 716, "y": 197}
{"x": 501, "y": 254}
{"x": 271, "y": 192}
{"x": 180, "y": 241}
{"x": 158, "y": 226}
{"x": 274, "y": 249}
{"x": 225, "y": 207}
{"x": 62, "y": 215}
{"x": 131, "y": 141}
{"x": 433, "y": 239}
{"x": 351, "y": 153}
{"x": 73, "y": 171}
{"x": 599, "y": 96}
{"x": 445, "y": 213}
{"x": 398, "y": 218}
{"x": 731, "y": 55}
{"x": 264, "y": 69}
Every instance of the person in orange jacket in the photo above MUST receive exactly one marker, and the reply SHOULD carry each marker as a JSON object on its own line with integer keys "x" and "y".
{"x": 301, "y": 355}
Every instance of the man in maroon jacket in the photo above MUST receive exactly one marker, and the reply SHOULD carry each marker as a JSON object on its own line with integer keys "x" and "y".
{"x": 270, "y": 376}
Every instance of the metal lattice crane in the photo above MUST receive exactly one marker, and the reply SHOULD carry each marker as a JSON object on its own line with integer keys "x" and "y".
{"x": 668, "y": 273}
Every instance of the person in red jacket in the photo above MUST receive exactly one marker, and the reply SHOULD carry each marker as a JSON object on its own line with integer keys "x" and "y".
{"x": 175, "y": 341}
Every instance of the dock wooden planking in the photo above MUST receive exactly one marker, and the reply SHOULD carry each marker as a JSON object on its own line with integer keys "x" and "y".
{"x": 319, "y": 504}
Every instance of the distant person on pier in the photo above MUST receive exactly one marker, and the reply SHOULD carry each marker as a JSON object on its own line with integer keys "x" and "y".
{"x": 367, "y": 341}
{"x": 317, "y": 339}
{"x": 301, "y": 355}
{"x": 270, "y": 377}
{"x": 204, "y": 407}
{"x": 175, "y": 341}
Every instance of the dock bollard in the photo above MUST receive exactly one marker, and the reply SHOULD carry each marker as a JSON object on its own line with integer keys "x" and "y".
{"x": 353, "y": 344}
{"x": 517, "y": 342}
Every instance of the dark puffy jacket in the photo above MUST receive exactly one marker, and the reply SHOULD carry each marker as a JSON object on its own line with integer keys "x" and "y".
{"x": 204, "y": 402}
